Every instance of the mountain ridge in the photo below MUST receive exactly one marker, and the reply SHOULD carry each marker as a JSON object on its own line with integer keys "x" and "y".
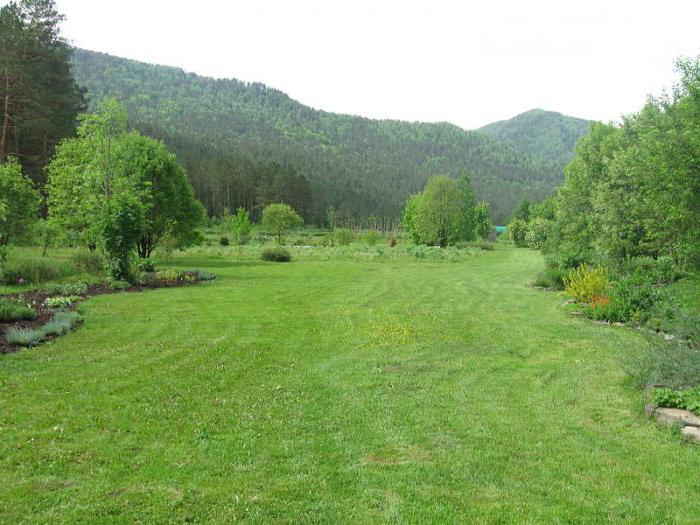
{"x": 361, "y": 166}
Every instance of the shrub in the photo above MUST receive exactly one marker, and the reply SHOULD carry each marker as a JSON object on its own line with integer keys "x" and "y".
{"x": 688, "y": 399}
{"x": 146, "y": 265}
{"x": 552, "y": 279}
{"x": 584, "y": 283}
{"x": 518, "y": 230}
{"x": 35, "y": 270}
{"x": 672, "y": 363}
{"x": 343, "y": 236}
{"x": 203, "y": 275}
{"x": 77, "y": 288}
{"x": 23, "y": 336}
{"x": 276, "y": 254}
{"x": 116, "y": 284}
{"x": 660, "y": 271}
{"x": 15, "y": 311}
{"x": 61, "y": 301}
{"x": 166, "y": 277}
{"x": 537, "y": 231}
{"x": 61, "y": 323}
{"x": 371, "y": 237}
{"x": 632, "y": 298}
{"x": 88, "y": 262}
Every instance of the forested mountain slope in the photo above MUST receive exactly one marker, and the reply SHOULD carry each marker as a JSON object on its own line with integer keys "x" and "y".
{"x": 230, "y": 135}
{"x": 546, "y": 134}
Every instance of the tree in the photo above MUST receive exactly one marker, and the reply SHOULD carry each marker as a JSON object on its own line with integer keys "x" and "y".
{"x": 39, "y": 96}
{"x": 467, "y": 219}
{"x": 518, "y": 230}
{"x": 279, "y": 219}
{"x": 20, "y": 202}
{"x": 483, "y": 220}
{"x": 441, "y": 214}
{"x": 523, "y": 210}
{"x": 104, "y": 161}
{"x": 240, "y": 226}
{"x": 47, "y": 233}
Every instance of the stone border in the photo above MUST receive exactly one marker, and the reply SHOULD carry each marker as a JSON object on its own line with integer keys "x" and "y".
{"x": 689, "y": 422}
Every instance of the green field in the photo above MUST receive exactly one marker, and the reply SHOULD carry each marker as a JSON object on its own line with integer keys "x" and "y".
{"x": 338, "y": 391}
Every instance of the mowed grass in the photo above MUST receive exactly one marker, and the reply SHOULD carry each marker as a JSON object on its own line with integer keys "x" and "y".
{"x": 338, "y": 392}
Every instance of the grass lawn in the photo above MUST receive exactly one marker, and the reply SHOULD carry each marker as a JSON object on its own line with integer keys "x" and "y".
{"x": 338, "y": 392}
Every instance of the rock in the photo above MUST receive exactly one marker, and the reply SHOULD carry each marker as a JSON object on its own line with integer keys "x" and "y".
{"x": 674, "y": 416}
{"x": 692, "y": 433}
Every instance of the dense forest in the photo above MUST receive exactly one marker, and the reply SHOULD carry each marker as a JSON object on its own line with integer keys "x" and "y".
{"x": 243, "y": 143}
{"x": 542, "y": 133}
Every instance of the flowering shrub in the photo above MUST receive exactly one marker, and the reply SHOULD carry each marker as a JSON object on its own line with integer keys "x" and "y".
{"x": 586, "y": 283}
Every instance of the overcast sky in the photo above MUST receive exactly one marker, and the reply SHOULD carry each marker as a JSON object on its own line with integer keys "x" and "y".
{"x": 465, "y": 62}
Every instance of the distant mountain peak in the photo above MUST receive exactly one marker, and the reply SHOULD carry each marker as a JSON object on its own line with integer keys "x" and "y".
{"x": 540, "y": 132}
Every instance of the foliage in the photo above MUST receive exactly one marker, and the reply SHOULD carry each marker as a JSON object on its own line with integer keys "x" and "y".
{"x": 20, "y": 202}
{"x": 77, "y": 288}
{"x": 88, "y": 261}
{"x": 371, "y": 237}
{"x": 15, "y": 311}
{"x": 46, "y": 234}
{"x": 146, "y": 265}
{"x": 517, "y": 230}
{"x": 39, "y": 94}
{"x": 585, "y": 283}
{"x": 19, "y": 336}
{"x": 442, "y": 214}
{"x": 61, "y": 323}
{"x": 483, "y": 220}
{"x": 343, "y": 236}
{"x": 537, "y": 233}
{"x": 276, "y": 254}
{"x": 29, "y": 269}
{"x": 673, "y": 363}
{"x": 241, "y": 227}
{"x": 632, "y": 298}
{"x": 61, "y": 301}
{"x": 551, "y": 279}
{"x": 688, "y": 399}
{"x": 121, "y": 226}
{"x": 105, "y": 161}
{"x": 203, "y": 275}
{"x": 117, "y": 284}
{"x": 278, "y": 219}
{"x": 632, "y": 190}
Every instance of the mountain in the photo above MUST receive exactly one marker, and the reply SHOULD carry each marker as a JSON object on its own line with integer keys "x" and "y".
{"x": 546, "y": 134}
{"x": 243, "y": 144}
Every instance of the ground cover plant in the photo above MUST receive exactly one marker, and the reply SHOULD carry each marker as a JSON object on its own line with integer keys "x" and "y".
{"x": 338, "y": 390}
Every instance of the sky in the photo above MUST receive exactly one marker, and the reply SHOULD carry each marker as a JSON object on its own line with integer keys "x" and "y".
{"x": 465, "y": 62}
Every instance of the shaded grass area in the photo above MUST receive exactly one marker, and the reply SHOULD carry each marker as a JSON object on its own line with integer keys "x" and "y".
{"x": 394, "y": 391}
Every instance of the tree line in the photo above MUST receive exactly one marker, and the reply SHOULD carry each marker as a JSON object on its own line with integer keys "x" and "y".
{"x": 631, "y": 190}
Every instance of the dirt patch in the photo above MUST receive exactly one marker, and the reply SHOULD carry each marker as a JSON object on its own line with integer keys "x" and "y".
{"x": 44, "y": 313}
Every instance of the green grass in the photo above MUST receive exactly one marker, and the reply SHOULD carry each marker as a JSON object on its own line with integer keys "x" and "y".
{"x": 364, "y": 391}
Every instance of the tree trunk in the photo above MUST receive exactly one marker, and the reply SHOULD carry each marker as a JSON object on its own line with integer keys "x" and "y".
{"x": 5, "y": 117}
